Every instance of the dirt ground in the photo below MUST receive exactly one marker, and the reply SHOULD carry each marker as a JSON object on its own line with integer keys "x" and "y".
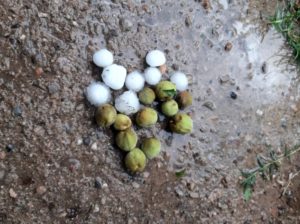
{"x": 56, "y": 166}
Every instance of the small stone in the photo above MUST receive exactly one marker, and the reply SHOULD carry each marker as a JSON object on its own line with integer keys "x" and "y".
{"x": 126, "y": 25}
{"x": 74, "y": 164}
{"x": 194, "y": 195}
{"x": 163, "y": 69}
{"x": 86, "y": 141}
{"x": 2, "y": 155}
{"x": 12, "y": 193}
{"x": 146, "y": 174}
{"x": 188, "y": 21}
{"x": 264, "y": 68}
{"x": 38, "y": 72}
{"x": 135, "y": 185}
{"x": 99, "y": 183}
{"x": 228, "y": 46}
{"x": 79, "y": 141}
{"x": 94, "y": 146}
{"x": 233, "y": 95}
{"x": 294, "y": 107}
{"x": 41, "y": 190}
{"x": 17, "y": 111}
{"x": 96, "y": 208}
{"x": 53, "y": 88}
{"x": 224, "y": 78}
{"x": 179, "y": 192}
{"x": 259, "y": 113}
{"x": 2, "y": 174}
{"x": 210, "y": 105}
{"x": 10, "y": 148}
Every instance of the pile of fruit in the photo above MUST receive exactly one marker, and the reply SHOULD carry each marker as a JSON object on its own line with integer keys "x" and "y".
{"x": 142, "y": 89}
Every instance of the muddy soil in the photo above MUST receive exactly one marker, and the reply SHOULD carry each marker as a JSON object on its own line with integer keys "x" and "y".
{"x": 56, "y": 166}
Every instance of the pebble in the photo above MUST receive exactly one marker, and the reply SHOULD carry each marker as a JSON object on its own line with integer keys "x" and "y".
{"x": 2, "y": 155}
{"x": 87, "y": 141}
{"x": 126, "y": 25}
{"x": 188, "y": 21}
{"x": 10, "y": 148}
{"x": 264, "y": 68}
{"x": 74, "y": 164}
{"x": 99, "y": 183}
{"x": 94, "y": 146}
{"x": 53, "y": 88}
{"x": 259, "y": 112}
{"x": 233, "y": 95}
{"x": 17, "y": 111}
{"x": 228, "y": 46}
{"x": 2, "y": 174}
{"x": 79, "y": 141}
{"x": 194, "y": 195}
{"x": 135, "y": 185}
{"x": 38, "y": 72}
{"x": 12, "y": 193}
{"x": 224, "y": 78}
{"x": 163, "y": 69}
{"x": 210, "y": 105}
{"x": 96, "y": 208}
{"x": 41, "y": 190}
{"x": 294, "y": 107}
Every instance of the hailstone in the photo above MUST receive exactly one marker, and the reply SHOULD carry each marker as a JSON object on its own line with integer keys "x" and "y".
{"x": 127, "y": 103}
{"x": 152, "y": 75}
{"x": 103, "y": 58}
{"x": 155, "y": 58}
{"x": 114, "y": 76}
{"x": 180, "y": 80}
{"x": 97, "y": 93}
{"x": 135, "y": 81}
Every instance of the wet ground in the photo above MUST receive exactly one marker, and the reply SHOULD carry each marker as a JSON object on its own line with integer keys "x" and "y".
{"x": 57, "y": 167}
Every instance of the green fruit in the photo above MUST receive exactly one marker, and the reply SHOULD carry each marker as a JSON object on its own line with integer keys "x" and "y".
{"x": 105, "y": 115}
{"x": 169, "y": 108}
{"x": 122, "y": 122}
{"x": 151, "y": 147}
{"x": 146, "y": 117}
{"x": 165, "y": 90}
{"x": 126, "y": 140}
{"x": 184, "y": 99}
{"x": 181, "y": 123}
{"x": 146, "y": 96}
{"x": 135, "y": 160}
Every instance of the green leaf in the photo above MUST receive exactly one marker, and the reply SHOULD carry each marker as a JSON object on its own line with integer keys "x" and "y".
{"x": 170, "y": 92}
{"x": 247, "y": 193}
{"x": 180, "y": 173}
{"x": 260, "y": 161}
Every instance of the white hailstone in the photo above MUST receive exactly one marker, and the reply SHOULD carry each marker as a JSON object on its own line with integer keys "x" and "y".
{"x": 135, "y": 81}
{"x": 103, "y": 58}
{"x": 155, "y": 58}
{"x": 114, "y": 76}
{"x": 180, "y": 80}
{"x": 97, "y": 93}
{"x": 127, "y": 103}
{"x": 152, "y": 75}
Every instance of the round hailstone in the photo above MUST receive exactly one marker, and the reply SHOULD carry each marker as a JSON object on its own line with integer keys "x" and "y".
{"x": 127, "y": 103}
{"x": 180, "y": 80}
{"x": 103, "y": 58}
{"x": 97, "y": 93}
{"x": 152, "y": 75}
{"x": 155, "y": 58}
{"x": 114, "y": 76}
{"x": 135, "y": 81}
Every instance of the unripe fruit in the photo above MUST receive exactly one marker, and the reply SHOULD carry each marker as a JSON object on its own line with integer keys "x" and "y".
{"x": 135, "y": 160}
{"x": 105, "y": 115}
{"x": 151, "y": 147}
{"x": 146, "y": 96}
{"x": 165, "y": 90}
{"x": 181, "y": 123}
{"x": 126, "y": 140}
{"x": 184, "y": 99}
{"x": 169, "y": 108}
{"x": 122, "y": 122}
{"x": 146, "y": 117}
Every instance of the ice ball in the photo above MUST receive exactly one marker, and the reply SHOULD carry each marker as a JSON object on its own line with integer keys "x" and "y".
{"x": 97, "y": 93}
{"x": 127, "y": 103}
{"x": 114, "y": 76}
{"x": 135, "y": 81}
{"x": 103, "y": 58}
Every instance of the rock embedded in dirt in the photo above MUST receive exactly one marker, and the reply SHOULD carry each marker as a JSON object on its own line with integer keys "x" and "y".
{"x": 228, "y": 46}
{"x": 41, "y": 190}
{"x": 10, "y": 148}
{"x": 126, "y": 24}
{"x": 12, "y": 193}
{"x": 233, "y": 95}
{"x": 53, "y": 88}
{"x": 17, "y": 111}
{"x": 210, "y": 105}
